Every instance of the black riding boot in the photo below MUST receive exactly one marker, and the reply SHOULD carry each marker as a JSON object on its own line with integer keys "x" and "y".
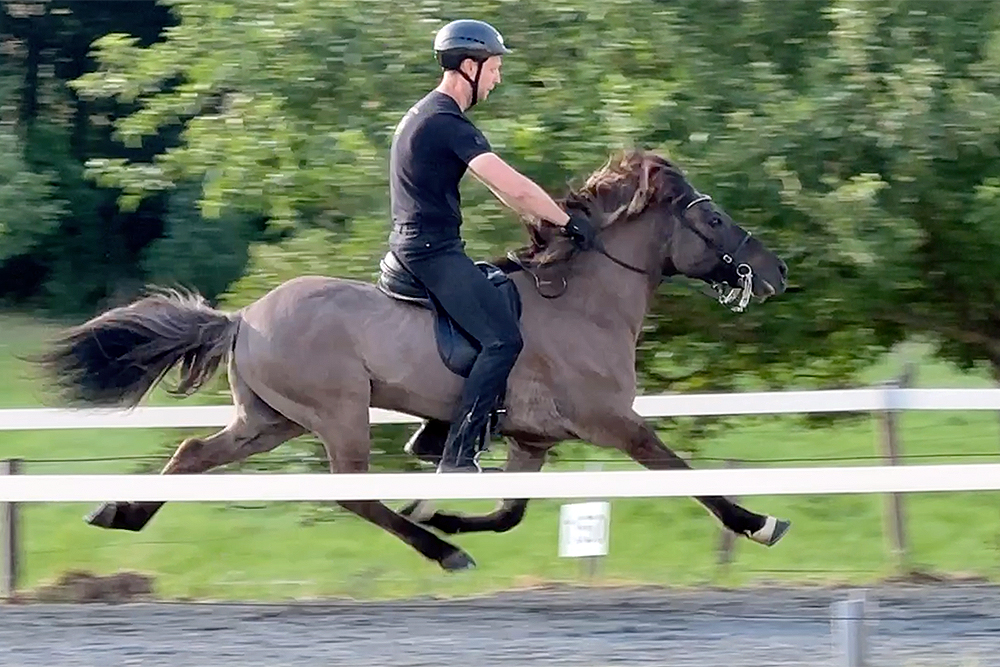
{"x": 465, "y": 436}
{"x": 482, "y": 394}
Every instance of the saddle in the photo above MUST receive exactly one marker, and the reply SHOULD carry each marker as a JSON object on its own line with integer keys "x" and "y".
{"x": 457, "y": 349}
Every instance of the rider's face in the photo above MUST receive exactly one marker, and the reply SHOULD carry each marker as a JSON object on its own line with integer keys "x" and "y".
{"x": 490, "y": 76}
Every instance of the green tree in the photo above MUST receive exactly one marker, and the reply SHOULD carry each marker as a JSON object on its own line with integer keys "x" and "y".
{"x": 90, "y": 252}
{"x": 854, "y": 137}
{"x": 29, "y": 207}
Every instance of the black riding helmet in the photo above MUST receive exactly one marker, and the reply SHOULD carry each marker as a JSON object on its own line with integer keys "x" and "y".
{"x": 468, "y": 38}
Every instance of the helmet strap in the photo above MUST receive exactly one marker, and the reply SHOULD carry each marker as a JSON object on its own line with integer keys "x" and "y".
{"x": 474, "y": 82}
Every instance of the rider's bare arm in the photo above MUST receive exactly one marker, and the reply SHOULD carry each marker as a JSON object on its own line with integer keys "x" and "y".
{"x": 515, "y": 189}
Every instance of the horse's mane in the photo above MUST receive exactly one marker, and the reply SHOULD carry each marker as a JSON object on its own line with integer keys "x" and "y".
{"x": 617, "y": 192}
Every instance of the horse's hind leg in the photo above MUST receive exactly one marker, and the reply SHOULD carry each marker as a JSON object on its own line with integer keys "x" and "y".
{"x": 347, "y": 440}
{"x": 508, "y": 514}
{"x": 256, "y": 428}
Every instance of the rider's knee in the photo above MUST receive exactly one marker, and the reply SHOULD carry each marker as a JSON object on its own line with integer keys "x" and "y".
{"x": 516, "y": 343}
{"x": 509, "y": 346}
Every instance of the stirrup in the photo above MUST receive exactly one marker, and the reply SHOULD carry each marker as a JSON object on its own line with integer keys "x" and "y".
{"x": 483, "y": 468}
{"x": 491, "y": 430}
{"x": 493, "y": 423}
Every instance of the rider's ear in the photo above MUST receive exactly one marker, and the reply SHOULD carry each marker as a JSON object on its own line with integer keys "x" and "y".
{"x": 470, "y": 65}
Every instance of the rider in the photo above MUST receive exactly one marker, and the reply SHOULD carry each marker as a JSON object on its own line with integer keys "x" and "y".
{"x": 432, "y": 147}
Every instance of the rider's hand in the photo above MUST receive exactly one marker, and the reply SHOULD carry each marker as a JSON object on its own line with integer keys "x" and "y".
{"x": 580, "y": 231}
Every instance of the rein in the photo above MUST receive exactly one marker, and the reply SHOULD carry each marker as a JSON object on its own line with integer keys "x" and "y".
{"x": 735, "y": 298}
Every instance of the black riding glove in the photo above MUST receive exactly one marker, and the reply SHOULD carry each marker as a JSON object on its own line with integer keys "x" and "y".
{"x": 580, "y": 231}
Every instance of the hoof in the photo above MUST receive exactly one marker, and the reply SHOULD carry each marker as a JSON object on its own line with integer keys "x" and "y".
{"x": 419, "y": 511}
{"x": 104, "y": 516}
{"x": 114, "y": 516}
{"x": 773, "y": 530}
{"x": 424, "y": 457}
{"x": 427, "y": 444}
{"x": 458, "y": 560}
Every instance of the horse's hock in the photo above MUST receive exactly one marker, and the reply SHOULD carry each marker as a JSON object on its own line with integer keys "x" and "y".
{"x": 81, "y": 586}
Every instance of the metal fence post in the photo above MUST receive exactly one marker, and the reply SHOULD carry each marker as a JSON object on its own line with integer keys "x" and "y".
{"x": 848, "y": 623}
{"x": 10, "y": 536}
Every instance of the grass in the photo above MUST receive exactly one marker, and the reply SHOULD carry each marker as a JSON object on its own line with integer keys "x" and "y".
{"x": 276, "y": 550}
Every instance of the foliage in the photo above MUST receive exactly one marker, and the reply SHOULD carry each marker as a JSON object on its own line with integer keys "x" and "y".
{"x": 235, "y": 144}
{"x": 29, "y": 205}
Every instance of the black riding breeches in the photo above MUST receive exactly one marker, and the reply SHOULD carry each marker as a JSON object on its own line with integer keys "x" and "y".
{"x": 464, "y": 292}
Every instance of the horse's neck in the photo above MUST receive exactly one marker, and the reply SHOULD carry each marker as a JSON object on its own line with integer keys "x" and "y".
{"x": 604, "y": 291}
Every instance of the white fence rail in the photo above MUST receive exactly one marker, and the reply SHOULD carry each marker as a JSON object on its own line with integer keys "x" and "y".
{"x": 665, "y": 405}
{"x": 408, "y": 486}
{"x": 616, "y": 484}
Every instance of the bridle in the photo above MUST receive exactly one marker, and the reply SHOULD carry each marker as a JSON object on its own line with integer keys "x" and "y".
{"x": 735, "y": 298}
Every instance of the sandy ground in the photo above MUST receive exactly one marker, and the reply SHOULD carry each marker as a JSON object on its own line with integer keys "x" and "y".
{"x": 936, "y": 626}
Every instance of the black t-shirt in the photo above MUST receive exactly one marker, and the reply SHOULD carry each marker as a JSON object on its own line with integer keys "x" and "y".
{"x": 431, "y": 149}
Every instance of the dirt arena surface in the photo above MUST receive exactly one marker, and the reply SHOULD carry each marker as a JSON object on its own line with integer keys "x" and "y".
{"x": 936, "y": 625}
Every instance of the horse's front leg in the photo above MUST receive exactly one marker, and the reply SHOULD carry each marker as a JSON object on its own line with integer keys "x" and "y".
{"x": 631, "y": 434}
{"x": 508, "y": 513}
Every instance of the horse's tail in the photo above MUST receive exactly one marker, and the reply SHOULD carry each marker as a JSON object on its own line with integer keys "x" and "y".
{"x": 115, "y": 358}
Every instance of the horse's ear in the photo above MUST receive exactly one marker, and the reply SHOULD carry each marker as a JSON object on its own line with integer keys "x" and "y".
{"x": 657, "y": 179}
{"x": 650, "y": 185}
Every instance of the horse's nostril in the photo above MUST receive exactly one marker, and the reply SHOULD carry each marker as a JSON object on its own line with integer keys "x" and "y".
{"x": 783, "y": 268}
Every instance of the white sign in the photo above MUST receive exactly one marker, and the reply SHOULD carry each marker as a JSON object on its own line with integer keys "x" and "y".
{"x": 584, "y": 529}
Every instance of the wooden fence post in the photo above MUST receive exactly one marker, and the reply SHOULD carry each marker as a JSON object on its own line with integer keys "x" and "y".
{"x": 10, "y": 536}
{"x": 727, "y": 539}
{"x": 890, "y": 446}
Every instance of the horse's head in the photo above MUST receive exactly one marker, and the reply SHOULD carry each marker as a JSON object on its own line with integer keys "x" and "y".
{"x": 704, "y": 243}
{"x": 689, "y": 234}
{"x": 673, "y": 230}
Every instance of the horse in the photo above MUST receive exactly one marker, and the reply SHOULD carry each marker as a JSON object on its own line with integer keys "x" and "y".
{"x": 315, "y": 353}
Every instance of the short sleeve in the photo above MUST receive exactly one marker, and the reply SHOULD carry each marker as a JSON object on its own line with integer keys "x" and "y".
{"x": 464, "y": 138}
